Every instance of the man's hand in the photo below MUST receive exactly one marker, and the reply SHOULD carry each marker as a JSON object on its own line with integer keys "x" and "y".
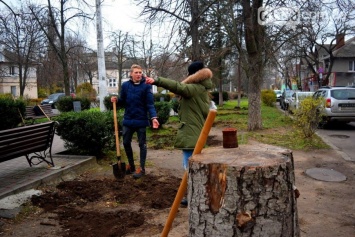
{"x": 113, "y": 99}
{"x": 149, "y": 80}
{"x": 155, "y": 123}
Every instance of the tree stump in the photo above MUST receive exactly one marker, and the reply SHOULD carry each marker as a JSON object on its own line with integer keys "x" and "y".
{"x": 244, "y": 191}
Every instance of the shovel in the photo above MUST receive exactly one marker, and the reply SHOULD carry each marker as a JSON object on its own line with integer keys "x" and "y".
{"x": 119, "y": 169}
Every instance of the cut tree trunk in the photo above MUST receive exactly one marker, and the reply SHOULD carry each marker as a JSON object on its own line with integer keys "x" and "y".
{"x": 244, "y": 191}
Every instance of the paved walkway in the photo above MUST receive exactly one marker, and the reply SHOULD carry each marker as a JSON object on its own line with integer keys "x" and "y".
{"x": 16, "y": 175}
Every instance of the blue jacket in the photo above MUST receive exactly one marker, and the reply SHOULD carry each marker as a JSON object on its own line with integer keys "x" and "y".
{"x": 138, "y": 101}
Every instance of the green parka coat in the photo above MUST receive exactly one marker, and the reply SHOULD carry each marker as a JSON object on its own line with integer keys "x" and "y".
{"x": 194, "y": 105}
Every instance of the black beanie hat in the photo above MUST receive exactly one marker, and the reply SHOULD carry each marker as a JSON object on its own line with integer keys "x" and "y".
{"x": 194, "y": 67}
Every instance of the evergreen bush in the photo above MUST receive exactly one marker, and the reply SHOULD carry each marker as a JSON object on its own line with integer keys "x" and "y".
{"x": 174, "y": 103}
{"x": 108, "y": 103}
{"x": 163, "y": 111}
{"x": 162, "y": 97}
{"x": 215, "y": 96}
{"x": 65, "y": 104}
{"x": 88, "y": 132}
{"x": 11, "y": 111}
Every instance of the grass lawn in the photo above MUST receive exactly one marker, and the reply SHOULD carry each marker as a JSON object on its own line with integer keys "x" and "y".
{"x": 278, "y": 128}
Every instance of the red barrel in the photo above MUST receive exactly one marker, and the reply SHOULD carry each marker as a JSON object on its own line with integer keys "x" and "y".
{"x": 230, "y": 138}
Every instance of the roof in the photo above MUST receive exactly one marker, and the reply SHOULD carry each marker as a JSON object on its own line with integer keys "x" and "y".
{"x": 11, "y": 57}
{"x": 347, "y": 50}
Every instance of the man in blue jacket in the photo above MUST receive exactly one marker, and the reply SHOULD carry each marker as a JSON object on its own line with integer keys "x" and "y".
{"x": 137, "y": 99}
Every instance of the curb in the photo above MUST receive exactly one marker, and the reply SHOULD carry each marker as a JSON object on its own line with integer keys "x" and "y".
{"x": 340, "y": 152}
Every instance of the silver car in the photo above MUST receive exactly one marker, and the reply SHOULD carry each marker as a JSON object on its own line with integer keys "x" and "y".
{"x": 297, "y": 97}
{"x": 339, "y": 103}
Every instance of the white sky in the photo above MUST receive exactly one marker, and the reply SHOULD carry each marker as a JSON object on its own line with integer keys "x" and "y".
{"x": 116, "y": 15}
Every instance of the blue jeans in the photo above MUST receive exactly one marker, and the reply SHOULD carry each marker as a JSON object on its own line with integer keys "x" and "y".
{"x": 186, "y": 154}
{"x": 142, "y": 141}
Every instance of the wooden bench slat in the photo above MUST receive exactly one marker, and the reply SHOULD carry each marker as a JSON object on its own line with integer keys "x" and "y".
{"x": 24, "y": 141}
{"x": 8, "y": 138}
{"x": 23, "y": 144}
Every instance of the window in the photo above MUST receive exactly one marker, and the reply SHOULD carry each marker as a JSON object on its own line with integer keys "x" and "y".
{"x": 13, "y": 90}
{"x": 351, "y": 65}
{"x": 112, "y": 82}
{"x": 12, "y": 70}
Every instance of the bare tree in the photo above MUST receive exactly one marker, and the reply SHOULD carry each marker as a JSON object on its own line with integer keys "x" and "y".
{"x": 323, "y": 32}
{"x": 119, "y": 42}
{"x": 54, "y": 24}
{"x": 184, "y": 16}
{"x": 22, "y": 39}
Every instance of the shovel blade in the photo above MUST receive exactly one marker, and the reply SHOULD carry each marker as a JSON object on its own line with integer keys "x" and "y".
{"x": 119, "y": 170}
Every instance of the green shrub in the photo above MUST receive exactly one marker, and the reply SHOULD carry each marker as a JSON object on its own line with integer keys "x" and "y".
{"x": 65, "y": 104}
{"x": 174, "y": 104}
{"x": 163, "y": 111}
{"x": 89, "y": 132}
{"x": 308, "y": 116}
{"x": 108, "y": 103}
{"x": 268, "y": 97}
{"x": 215, "y": 96}
{"x": 85, "y": 90}
{"x": 11, "y": 111}
{"x": 42, "y": 93}
{"x": 162, "y": 97}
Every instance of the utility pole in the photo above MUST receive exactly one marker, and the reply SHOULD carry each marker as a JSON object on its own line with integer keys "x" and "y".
{"x": 100, "y": 57}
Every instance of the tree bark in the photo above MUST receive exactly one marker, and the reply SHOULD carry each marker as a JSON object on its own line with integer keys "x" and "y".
{"x": 244, "y": 191}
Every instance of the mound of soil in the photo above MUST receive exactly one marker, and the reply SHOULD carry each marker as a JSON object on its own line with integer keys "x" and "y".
{"x": 107, "y": 207}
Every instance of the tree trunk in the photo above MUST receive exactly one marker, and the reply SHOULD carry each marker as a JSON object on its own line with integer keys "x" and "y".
{"x": 245, "y": 191}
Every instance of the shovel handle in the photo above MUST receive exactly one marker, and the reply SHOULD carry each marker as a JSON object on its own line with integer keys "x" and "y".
{"x": 183, "y": 185}
{"x": 116, "y": 130}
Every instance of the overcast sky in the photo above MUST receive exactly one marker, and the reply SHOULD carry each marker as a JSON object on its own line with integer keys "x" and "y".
{"x": 117, "y": 15}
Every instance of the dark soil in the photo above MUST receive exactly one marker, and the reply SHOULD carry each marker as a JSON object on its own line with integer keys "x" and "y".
{"x": 107, "y": 207}
{"x": 96, "y": 204}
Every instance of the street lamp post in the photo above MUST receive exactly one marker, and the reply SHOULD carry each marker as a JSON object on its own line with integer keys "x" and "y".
{"x": 100, "y": 57}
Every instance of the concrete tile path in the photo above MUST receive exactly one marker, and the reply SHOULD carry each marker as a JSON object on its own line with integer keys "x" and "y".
{"x": 16, "y": 175}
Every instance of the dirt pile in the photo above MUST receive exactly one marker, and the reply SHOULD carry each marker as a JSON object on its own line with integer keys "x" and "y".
{"x": 107, "y": 207}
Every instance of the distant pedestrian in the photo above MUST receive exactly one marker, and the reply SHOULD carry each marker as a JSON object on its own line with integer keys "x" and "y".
{"x": 136, "y": 97}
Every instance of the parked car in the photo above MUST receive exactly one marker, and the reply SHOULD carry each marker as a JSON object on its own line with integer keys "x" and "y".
{"x": 278, "y": 95}
{"x": 53, "y": 99}
{"x": 297, "y": 97}
{"x": 285, "y": 99}
{"x": 339, "y": 103}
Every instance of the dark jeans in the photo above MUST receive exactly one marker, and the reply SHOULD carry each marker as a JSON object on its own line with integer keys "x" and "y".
{"x": 127, "y": 140}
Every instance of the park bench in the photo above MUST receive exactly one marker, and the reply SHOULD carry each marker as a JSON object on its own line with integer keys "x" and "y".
{"x": 39, "y": 111}
{"x": 33, "y": 141}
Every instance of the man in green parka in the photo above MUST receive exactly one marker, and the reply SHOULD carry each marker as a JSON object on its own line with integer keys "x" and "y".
{"x": 194, "y": 105}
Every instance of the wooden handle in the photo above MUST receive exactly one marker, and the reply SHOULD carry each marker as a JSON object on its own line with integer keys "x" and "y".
{"x": 43, "y": 112}
{"x": 183, "y": 185}
{"x": 116, "y": 129}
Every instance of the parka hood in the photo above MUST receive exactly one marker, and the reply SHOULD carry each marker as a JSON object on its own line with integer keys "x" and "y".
{"x": 202, "y": 77}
